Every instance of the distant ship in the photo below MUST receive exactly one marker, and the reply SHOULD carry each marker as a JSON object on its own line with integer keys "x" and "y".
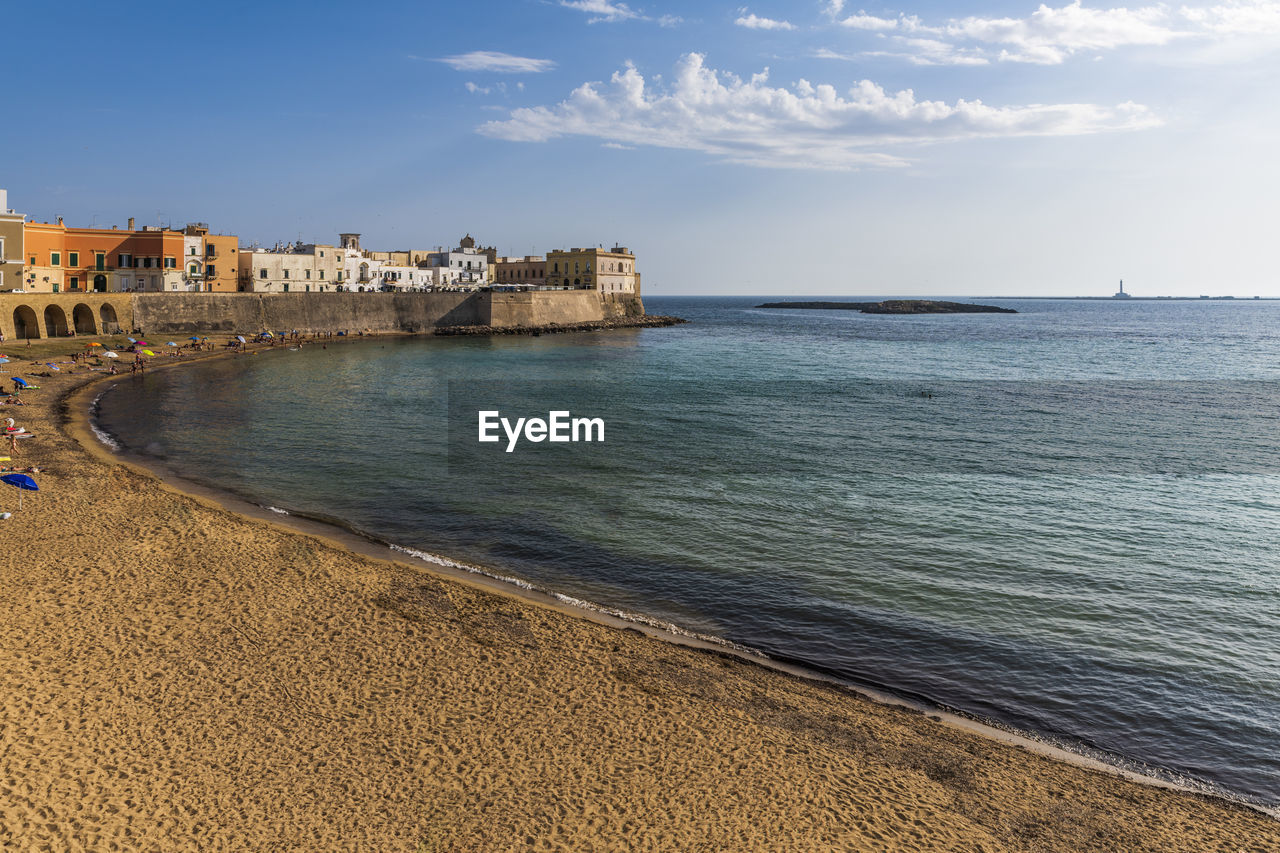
{"x": 1121, "y": 294}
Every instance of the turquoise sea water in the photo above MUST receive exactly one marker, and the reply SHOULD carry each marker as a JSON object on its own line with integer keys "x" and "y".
{"x": 1063, "y": 520}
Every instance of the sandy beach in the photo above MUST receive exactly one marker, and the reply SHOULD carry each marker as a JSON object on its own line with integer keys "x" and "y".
{"x": 178, "y": 676}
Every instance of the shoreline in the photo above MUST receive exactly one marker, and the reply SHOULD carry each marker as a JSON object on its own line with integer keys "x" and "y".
{"x": 361, "y": 542}
{"x": 72, "y": 408}
{"x": 487, "y": 578}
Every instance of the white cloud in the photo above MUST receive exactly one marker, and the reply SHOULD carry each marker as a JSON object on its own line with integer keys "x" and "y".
{"x": 477, "y": 89}
{"x": 603, "y": 10}
{"x": 922, "y": 51}
{"x": 834, "y": 7}
{"x": 1049, "y": 35}
{"x": 755, "y": 22}
{"x": 491, "y": 60}
{"x": 1245, "y": 17}
{"x": 804, "y": 126}
{"x": 826, "y": 53}
{"x": 670, "y": 21}
{"x": 863, "y": 21}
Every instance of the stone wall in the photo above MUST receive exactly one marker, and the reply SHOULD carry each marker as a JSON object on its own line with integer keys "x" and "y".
{"x": 51, "y": 315}
{"x": 169, "y": 314}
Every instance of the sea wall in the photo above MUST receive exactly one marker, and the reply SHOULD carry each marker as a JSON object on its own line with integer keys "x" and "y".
{"x": 373, "y": 312}
{"x": 43, "y": 315}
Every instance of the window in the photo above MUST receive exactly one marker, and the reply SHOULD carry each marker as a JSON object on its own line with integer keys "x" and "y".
{"x": 170, "y": 263}
{"x": 208, "y": 250}
{"x": 286, "y": 286}
{"x": 193, "y": 250}
{"x": 100, "y": 261}
{"x": 75, "y": 282}
{"x": 339, "y": 275}
{"x": 193, "y": 270}
{"x": 33, "y": 260}
{"x": 146, "y": 262}
{"x": 308, "y": 275}
{"x": 55, "y": 259}
{"x": 262, "y": 273}
{"x": 124, "y": 260}
{"x": 73, "y": 258}
{"x": 286, "y": 273}
{"x": 210, "y": 270}
{"x": 322, "y": 254}
{"x": 322, "y": 276}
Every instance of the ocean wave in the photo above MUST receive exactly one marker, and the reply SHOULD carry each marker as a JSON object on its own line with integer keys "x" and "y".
{"x": 579, "y": 603}
{"x": 98, "y": 432}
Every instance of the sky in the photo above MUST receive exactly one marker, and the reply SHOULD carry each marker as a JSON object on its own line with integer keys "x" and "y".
{"x": 806, "y": 148}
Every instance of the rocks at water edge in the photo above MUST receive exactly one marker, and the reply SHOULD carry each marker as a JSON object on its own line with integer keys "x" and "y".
{"x": 646, "y": 321}
{"x": 897, "y": 306}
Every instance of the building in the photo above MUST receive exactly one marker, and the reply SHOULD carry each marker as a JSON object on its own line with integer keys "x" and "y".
{"x": 102, "y": 260}
{"x": 210, "y": 262}
{"x": 464, "y": 267}
{"x": 300, "y": 268}
{"x": 528, "y": 271}
{"x": 607, "y": 271}
{"x": 11, "y": 245}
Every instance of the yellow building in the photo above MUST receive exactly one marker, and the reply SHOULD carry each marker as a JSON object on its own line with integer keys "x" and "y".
{"x": 604, "y": 270}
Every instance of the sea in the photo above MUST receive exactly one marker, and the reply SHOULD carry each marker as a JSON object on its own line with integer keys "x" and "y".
{"x": 1064, "y": 521}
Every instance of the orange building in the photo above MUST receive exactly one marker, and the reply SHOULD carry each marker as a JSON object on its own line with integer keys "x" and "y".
{"x": 105, "y": 260}
{"x": 210, "y": 262}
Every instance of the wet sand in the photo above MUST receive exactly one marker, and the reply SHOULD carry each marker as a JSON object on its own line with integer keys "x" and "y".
{"x": 177, "y": 676}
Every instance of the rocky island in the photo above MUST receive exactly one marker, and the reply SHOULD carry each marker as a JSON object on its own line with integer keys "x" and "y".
{"x": 897, "y": 306}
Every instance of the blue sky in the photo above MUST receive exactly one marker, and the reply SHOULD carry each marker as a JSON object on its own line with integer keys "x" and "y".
{"x": 995, "y": 148}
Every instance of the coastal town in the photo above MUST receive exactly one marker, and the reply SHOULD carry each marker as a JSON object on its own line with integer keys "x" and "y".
{"x": 53, "y": 257}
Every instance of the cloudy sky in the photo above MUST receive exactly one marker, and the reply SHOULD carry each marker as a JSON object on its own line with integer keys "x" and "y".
{"x": 995, "y": 148}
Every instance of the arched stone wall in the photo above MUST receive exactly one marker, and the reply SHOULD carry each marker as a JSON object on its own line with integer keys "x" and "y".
{"x": 50, "y": 315}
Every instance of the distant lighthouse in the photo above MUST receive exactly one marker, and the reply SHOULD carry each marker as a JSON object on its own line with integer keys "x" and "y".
{"x": 1121, "y": 294}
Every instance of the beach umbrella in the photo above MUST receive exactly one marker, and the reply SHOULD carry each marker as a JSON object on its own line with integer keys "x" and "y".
{"x": 267, "y": 335}
{"x": 133, "y": 340}
{"x": 240, "y": 338}
{"x": 110, "y": 354}
{"x": 23, "y": 482}
{"x": 95, "y": 344}
{"x": 193, "y": 338}
{"x": 147, "y": 352}
{"x": 20, "y": 382}
{"x": 170, "y": 344}
{"x": 52, "y": 365}
{"x": 3, "y": 360}
{"x": 142, "y": 343}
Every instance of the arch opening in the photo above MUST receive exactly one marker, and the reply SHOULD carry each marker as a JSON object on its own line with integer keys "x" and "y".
{"x": 24, "y": 323}
{"x": 110, "y": 325}
{"x": 55, "y": 322}
{"x": 82, "y": 318}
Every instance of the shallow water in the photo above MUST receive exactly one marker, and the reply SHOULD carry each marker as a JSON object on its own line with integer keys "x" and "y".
{"x": 1062, "y": 520}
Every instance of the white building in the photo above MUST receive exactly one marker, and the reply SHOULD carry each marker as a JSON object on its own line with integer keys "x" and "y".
{"x": 464, "y": 267}
{"x": 300, "y": 268}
